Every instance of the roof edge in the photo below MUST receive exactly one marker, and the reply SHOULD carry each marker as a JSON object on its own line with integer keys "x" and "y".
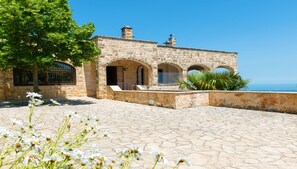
{"x": 162, "y": 46}
{"x": 206, "y": 50}
{"x": 116, "y": 38}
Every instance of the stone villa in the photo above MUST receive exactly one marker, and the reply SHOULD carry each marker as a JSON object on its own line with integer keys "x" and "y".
{"x": 125, "y": 62}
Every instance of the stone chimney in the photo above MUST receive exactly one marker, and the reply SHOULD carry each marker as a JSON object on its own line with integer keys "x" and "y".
{"x": 171, "y": 41}
{"x": 127, "y": 32}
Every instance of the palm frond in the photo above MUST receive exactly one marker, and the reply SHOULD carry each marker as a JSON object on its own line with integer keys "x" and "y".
{"x": 214, "y": 81}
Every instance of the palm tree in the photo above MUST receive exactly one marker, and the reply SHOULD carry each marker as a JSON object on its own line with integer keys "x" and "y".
{"x": 214, "y": 81}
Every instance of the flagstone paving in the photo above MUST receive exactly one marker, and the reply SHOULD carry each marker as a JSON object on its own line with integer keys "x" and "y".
{"x": 209, "y": 137}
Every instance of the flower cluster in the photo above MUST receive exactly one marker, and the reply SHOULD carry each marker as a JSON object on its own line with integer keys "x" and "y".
{"x": 26, "y": 147}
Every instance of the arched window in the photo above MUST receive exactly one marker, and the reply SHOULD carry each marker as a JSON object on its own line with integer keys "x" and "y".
{"x": 197, "y": 69}
{"x": 58, "y": 74}
{"x": 224, "y": 69}
{"x": 168, "y": 74}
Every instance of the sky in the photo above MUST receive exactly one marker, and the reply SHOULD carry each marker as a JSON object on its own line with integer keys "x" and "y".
{"x": 263, "y": 32}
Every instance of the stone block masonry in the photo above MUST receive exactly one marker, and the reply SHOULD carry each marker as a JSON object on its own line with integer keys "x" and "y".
{"x": 85, "y": 86}
{"x": 265, "y": 101}
{"x": 151, "y": 55}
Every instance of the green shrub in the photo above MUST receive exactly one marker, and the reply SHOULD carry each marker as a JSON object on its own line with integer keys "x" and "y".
{"x": 213, "y": 81}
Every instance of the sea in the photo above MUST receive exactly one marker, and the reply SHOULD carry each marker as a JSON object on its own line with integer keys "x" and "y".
{"x": 273, "y": 87}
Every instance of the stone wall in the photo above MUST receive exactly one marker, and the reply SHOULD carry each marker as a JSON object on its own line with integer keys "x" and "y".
{"x": 281, "y": 102}
{"x": 151, "y": 55}
{"x": 2, "y": 82}
{"x": 266, "y": 101}
{"x": 90, "y": 78}
{"x": 186, "y": 57}
{"x": 161, "y": 98}
{"x": 162, "y": 87}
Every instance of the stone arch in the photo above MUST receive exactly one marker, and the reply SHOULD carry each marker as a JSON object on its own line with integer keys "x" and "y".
{"x": 124, "y": 73}
{"x": 197, "y": 68}
{"x": 128, "y": 59}
{"x": 222, "y": 68}
{"x": 169, "y": 73}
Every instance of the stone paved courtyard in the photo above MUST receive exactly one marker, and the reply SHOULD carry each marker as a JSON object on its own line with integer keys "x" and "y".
{"x": 209, "y": 137}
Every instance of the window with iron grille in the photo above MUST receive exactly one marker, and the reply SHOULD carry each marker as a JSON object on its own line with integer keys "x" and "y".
{"x": 58, "y": 74}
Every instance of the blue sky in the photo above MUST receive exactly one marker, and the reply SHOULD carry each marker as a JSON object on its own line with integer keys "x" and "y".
{"x": 264, "y": 32}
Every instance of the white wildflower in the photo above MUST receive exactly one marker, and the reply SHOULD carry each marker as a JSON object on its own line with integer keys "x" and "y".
{"x": 18, "y": 147}
{"x": 47, "y": 137}
{"x": 26, "y": 160}
{"x": 183, "y": 161}
{"x": 85, "y": 161}
{"x": 47, "y": 158}
{"x": 35, "y": 102}
{"x": 5, "y": 133}
{"x": 160, "y": 157}
{"x": 33, "y": 95}
{"x": 106, "y": 135}
{"x": 33, "y": 141}
{"x": 53, "y": 158}
{"x": 66, "y": 151}
{"x": 17, "y": 122}
{"x": 95, "y": 155}
{"x": 54, "y": 102}
{"x": 72, "y": 114}
{"x": 134, "y": 151}
{"x": 76, "y": 154}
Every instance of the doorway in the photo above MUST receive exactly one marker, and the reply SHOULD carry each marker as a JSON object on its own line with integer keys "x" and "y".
{"x": 111, "y": 75}
{"x": 140, "y": 75}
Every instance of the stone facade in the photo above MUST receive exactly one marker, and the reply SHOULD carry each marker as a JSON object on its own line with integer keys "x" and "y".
{"x": 134, "y": 62}
{"x": 127, "y": 52}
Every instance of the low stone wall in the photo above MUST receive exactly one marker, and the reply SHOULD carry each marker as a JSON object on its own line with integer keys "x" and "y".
{"x": 162, "y": 98}
{"x": 267, "y": 101}
{"x": 52, "y": 91}
{"x": 161, "y": 87}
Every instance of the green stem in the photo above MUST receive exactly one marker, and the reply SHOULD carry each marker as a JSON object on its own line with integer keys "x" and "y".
{"x": 156, "y": 162}
{"x": 31, "y": 114}
{"x": 62, "y": 130}
{"x": 131, "y": 162}
{"x": 177, "y": 166}
{"x": 19, "y": 159}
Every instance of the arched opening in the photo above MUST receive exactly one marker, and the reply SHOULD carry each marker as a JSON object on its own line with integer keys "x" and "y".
{"x": 140, "y": 75}
{"x": 127, "y": 74}
{"x": 197, "y": 69}
{"x": 58, "y": 74}
{"x": 168, "y": 73}
{"x": 224, "y": 69}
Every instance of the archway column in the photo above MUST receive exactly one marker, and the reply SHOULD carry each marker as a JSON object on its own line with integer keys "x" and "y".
{"x": 154, "y": 75}
{"x": 101, "y": 82}
{"x": 184, "y": 74}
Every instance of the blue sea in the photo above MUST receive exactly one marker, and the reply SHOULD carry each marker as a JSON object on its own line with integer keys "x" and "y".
{"x": 273, "y": 87}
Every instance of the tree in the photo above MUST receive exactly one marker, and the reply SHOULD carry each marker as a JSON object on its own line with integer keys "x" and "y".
{"x": 213, "y": 81}
{"x": 35, "y": 33}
